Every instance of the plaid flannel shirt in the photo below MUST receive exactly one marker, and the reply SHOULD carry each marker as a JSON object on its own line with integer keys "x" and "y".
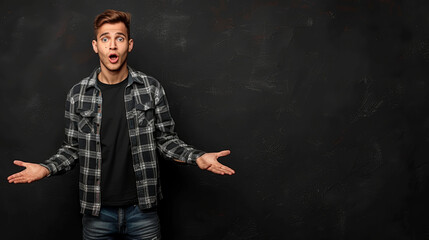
{"x": 150, "y": 127}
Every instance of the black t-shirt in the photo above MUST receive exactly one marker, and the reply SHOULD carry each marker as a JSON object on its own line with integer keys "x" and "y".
{"x": 118, "y": 182}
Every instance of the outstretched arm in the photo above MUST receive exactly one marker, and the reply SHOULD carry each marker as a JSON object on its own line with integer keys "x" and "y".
{"x": 31, "y": 173}
{"x": 172, "y": 147}
{"x": 208, "y": 161}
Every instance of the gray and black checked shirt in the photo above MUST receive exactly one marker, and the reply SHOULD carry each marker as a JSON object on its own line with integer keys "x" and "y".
{"x": 150, "y": 127}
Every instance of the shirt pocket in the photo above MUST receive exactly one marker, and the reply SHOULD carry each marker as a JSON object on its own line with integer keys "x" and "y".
{"x": 86, "y": 123}
{"x": 145, "y": 115}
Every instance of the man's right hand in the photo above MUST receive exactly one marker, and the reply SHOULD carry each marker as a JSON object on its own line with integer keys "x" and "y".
{"x": 31, "y": 173}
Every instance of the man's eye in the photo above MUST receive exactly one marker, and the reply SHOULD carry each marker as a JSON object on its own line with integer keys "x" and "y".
{"x": 120, "y": 39}
{"x": 104, "y": 39}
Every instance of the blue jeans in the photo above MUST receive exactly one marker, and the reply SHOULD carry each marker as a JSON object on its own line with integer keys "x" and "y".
{"x": 121, "y": 223}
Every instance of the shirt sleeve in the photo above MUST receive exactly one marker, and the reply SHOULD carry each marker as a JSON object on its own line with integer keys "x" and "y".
{"x": 167, "y": 139}
{"x": 66, "y": 156}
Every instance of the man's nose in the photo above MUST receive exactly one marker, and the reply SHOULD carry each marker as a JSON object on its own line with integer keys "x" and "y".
{"x": 112, "y": 44}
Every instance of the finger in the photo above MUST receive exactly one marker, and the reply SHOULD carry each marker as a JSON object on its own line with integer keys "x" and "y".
{"x": 216, "y": 170}
{"x": 13, "y": 178}
{"x": 16, "y": 175}
{"x": 19, "y": 180}
{"x": 223, "y": 153}
{"x": 19, "y": 163}
{"x": 227, "y": 170}
{"x": 221, "y": 169}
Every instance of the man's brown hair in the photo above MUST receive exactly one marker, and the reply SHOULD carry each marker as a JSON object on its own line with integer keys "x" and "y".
{"x": 112, "y": 16}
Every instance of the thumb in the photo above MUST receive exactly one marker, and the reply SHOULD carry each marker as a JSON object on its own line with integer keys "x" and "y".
{"x": 223, "y": 153}
{"x": 20, "y": 163}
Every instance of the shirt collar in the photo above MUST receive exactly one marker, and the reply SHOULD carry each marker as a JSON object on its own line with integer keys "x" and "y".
{"x": 132, "y": 77}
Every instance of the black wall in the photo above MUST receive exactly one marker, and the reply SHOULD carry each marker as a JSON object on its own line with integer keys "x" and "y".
{"x": 324, "y": 105}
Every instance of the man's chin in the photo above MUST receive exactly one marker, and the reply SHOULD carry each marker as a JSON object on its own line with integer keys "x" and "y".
{"x": 114, "y": 67}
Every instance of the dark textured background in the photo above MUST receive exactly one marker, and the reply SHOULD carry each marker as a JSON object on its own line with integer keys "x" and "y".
{"x": 324, "y": 105}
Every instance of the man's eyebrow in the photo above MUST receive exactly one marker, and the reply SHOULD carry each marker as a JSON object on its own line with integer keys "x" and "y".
{"x": 120, "y": 33}
{"x": 106, "y": 33}
{"x": 117, "y": 33}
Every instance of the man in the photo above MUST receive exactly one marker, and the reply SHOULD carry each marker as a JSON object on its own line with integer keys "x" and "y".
{"x": 115, "y": 121}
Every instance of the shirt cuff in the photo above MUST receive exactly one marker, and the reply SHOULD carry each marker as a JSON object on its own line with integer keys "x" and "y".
{"x": 49, "y": 169}
{"x": 192, "y": 158}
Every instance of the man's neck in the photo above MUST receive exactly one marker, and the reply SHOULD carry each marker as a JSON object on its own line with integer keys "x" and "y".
{"x": 112, "y": 77}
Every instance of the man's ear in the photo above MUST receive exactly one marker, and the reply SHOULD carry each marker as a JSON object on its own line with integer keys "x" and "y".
{"x": 95, "y": 46}
{"x": 130, "y": 45}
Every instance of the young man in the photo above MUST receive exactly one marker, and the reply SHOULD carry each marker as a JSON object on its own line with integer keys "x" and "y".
{"x": 115, "y": 121}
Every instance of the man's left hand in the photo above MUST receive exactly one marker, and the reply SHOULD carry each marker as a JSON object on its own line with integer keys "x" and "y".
{"x": 209, "y": 162}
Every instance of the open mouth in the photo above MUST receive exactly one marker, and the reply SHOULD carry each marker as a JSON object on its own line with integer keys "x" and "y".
{"x": 113, "y": 58}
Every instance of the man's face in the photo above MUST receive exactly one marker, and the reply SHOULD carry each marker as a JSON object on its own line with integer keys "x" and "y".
{"x": 112, "y": 46}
